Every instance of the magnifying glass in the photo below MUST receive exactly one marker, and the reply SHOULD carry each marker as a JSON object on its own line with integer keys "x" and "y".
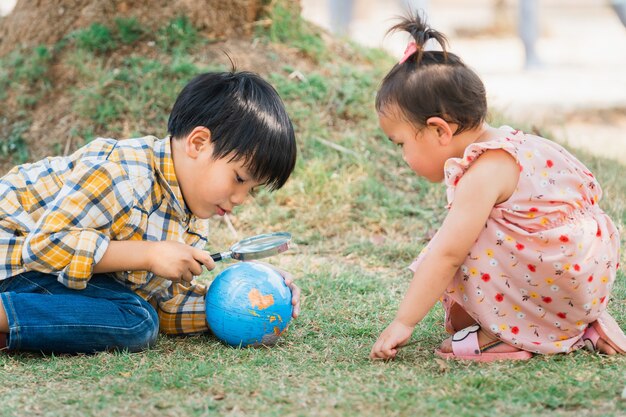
{"x": 256, "y": 247}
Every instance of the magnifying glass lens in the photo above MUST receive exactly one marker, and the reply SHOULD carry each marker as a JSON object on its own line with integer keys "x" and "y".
{"x": 260, "y": 244}
{"x": 256, "y": 247}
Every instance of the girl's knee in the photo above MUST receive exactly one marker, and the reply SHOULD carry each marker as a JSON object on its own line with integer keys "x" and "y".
{"x": 457, "y": 318}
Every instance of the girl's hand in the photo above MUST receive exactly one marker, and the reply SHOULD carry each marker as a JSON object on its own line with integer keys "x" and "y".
{"x": 394, "y": 336}
{"x": 295, "y": 290}
{"x": 177, "y": 261}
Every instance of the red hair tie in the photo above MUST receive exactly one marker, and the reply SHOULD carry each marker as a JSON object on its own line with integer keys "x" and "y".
{"x": 411, "y": 48}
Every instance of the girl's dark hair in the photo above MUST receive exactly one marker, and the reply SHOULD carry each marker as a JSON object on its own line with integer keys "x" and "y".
{"x": 247, "y": 120}
{"x": 432, "y": 83}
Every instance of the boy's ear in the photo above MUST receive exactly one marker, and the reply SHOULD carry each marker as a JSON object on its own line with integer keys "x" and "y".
{"x": 442, "y": 129}
{"x": 197, "y": 141}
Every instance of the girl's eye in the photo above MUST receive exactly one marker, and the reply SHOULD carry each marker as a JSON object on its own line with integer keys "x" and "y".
{"x": 239, "y": 179}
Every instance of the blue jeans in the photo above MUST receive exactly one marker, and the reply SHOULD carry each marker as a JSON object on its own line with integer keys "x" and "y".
{"x": 46, "y": 316}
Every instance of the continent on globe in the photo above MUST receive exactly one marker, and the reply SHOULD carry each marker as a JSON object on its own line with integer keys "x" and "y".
{"x": 260, "y": 301}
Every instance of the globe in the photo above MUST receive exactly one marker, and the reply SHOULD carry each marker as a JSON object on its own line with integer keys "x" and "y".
{"x": 248, "y": 304}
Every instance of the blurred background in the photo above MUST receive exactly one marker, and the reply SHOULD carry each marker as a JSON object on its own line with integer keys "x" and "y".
{"x": 556, "y": 64}
{"x": 6, "y": 6}
{"x": 559, "y": 65}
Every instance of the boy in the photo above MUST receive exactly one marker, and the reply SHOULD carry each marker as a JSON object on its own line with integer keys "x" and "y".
{"x": 100, "y": 248}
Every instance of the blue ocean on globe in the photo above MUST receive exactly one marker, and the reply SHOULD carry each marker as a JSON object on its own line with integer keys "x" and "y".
{"x": 248, "y": 304}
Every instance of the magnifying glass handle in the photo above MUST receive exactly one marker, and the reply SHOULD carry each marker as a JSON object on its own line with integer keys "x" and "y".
{"x": 220, "y": 256}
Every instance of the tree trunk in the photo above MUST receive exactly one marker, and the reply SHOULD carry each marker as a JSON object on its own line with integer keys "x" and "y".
{"x": 34, "y": 22}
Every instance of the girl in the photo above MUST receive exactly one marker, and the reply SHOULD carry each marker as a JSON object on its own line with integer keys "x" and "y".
{"x": 525, "y": 260}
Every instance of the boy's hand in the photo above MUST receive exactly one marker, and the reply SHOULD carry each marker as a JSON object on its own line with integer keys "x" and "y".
{"x": 177, "y": 261}
{"x": 394, "y": 336}
{"x": 295, "y": 290}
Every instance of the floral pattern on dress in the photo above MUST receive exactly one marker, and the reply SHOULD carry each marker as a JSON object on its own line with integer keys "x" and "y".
{"x": 543, "y": 267}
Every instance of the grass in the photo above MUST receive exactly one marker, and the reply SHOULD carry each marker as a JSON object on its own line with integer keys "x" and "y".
{"x": 320, "y": 368}
{"x": 107, "y": 97}
{"x": 107, "y": 93}
{"x": 358, "y": 216}
{"x": 25, "y": 74}
{"x": 294, "y": 31}
{"x": 14, "y": 145}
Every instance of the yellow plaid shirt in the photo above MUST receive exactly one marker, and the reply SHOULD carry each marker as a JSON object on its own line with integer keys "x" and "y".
{"x": 58, "y": 215}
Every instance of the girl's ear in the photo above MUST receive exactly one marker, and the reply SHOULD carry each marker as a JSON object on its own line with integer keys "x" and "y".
{"x": 441, "y": 128}
{"x": 197, "y": 141}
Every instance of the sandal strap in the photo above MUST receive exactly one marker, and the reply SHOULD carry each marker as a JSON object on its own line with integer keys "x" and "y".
{"x": 465, "y": 342}
{"x": 490, "y": 345}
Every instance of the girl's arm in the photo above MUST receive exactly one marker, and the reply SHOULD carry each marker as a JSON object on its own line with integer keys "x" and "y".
{"x": 490, "y": 180}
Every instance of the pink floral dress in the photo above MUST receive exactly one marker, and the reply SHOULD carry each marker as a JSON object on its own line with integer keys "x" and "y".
{"x": 543, "y": 267}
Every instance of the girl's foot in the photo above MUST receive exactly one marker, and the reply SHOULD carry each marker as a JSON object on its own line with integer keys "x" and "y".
{"x": 473, "y": 344}
{"x": 605, "y": 336}
{"x": 488, "y": 342}
{"x": 485, "y": 341}
{"x": 603, "y": 346}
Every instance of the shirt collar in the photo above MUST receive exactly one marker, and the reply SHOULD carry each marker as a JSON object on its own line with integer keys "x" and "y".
{"x": 169, "y": 182}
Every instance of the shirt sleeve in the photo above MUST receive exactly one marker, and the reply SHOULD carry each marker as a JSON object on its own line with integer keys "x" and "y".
{"x": 182, "y": 311}
{"x": 93, "y": 206}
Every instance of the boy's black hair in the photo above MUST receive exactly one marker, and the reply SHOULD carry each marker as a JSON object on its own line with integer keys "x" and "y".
{"x": 247, "y": 120}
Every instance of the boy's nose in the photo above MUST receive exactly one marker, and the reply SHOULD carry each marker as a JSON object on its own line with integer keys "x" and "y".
{"x": 238, "y": 198}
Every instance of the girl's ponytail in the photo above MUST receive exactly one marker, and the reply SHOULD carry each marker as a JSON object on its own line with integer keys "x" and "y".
{"x": 415, "y": 25}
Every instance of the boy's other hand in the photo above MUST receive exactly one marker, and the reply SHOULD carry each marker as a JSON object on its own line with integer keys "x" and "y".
{"x": 295, "y": 290}
{"x": 177, "y": 261}
{"x": 393, "y": 337}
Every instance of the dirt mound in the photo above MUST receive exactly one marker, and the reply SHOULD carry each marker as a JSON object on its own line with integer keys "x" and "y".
{"x": 56, "y": 18}
{"x": 53, "y": 120}
{"x": 52, "y": 95}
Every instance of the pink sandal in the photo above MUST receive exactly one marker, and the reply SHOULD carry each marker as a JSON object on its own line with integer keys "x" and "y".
{"x": 607, "y": 329}
{"x": 465, "y": 347}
